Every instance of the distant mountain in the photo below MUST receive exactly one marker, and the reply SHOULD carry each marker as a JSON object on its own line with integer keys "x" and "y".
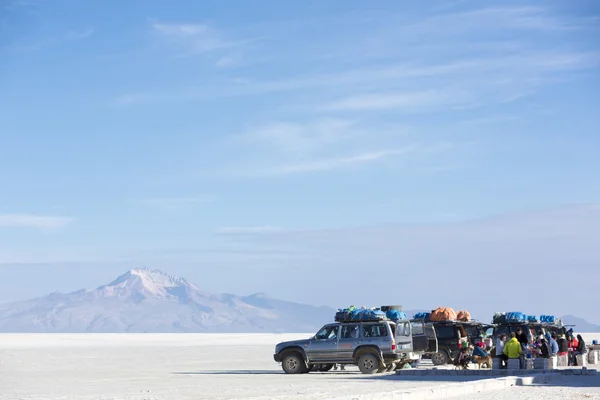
{"x": 581, "y": 325}
{"x": 144, "y": 300}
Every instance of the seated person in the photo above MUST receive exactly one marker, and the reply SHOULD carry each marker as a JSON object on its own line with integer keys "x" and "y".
{"x": 478, "y": 351}
{"x": 463, "y": 358}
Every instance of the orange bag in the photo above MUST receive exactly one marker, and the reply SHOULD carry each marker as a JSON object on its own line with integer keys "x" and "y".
{"x": 463, "y": 316}
{"x": 443, "y": 314}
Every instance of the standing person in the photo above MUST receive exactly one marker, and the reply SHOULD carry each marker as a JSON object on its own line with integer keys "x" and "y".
{"x": 579, "y": 350}
{"x": 521, "y": 337}
{"x": 563, "y": 345}
{"x": 512, "y": 348}
{"x": 500, "y": 350}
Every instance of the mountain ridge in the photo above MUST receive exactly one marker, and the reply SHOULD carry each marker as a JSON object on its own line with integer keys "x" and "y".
{"x": 145, "y": 300}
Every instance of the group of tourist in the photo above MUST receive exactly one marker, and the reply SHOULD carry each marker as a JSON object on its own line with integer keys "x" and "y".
{"x": 545, "y": 346}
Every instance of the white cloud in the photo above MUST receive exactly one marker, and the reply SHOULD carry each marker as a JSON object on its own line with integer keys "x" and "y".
{"x": 34, "y": 221}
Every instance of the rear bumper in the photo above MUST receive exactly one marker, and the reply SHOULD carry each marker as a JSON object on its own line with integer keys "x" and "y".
{"x": 392, "y": 357}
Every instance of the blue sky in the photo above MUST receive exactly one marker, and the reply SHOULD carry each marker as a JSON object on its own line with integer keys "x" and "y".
{"x": 282, "y": 146}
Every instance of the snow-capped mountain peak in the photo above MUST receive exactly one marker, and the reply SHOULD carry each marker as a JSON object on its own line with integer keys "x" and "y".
{"x": 142, "y": 283}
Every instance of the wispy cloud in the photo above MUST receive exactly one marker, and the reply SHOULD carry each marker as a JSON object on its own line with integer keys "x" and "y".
{"x": 410, "y": 101}
{"x": 300, "y": 138}
{"x": 476, "y": 75}
{"x": 323, "y": 144}
{"x": 201, "y": 39}
{"x": 43, "y": 222}
{"x": 545, "y": 242}
{"x": 176, "y": 203}
{"x": 247, "y": 230}
{"x": 333, "y": 163}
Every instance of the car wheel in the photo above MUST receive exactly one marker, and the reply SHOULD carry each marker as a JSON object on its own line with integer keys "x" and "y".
{"x": 439, "y": 358}
{"x": 368, "y": 363}
{"x": 293, "y": 363}
{"x": 325, "y": 367}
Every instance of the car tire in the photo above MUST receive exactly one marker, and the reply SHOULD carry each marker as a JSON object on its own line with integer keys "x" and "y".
{"x": 292, "y": 363}
{"x": 368, "y": 363}
{"x": 440, "y": 358}
{"x": 325, "y": 367}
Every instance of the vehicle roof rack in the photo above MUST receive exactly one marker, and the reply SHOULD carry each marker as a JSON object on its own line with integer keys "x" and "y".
{"x": 365, "y": 320}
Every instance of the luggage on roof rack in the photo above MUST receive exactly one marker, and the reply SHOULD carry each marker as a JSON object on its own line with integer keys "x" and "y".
{"x": 389, "y": 308}
{"x": 395, "y": 315}
{"x": 499, "y": 318}
{"x": 362, "y": 314}
{"x": 443, "y": 314}
{"x": 515, "y": 316}
{"x": 422, "y": 315}
{"x": 550, "y": 319}
{"x": 463, "y": 316}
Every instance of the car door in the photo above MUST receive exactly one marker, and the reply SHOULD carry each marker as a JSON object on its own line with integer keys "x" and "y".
{"x": 419, "y": 339}
{"x": 350, "y": 339}
{"x": 432, "y": 338}
{"x": 324, "y": 345}
{"x": 404, "y": 339}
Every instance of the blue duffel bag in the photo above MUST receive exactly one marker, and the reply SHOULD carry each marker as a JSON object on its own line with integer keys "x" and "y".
{"x": 515, "y": 316}
{"x": 422, "y": 315}
{"x": 395, "y": 315}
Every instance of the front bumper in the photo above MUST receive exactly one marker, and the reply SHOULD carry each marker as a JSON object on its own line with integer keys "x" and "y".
{"x": 277, "y": 357}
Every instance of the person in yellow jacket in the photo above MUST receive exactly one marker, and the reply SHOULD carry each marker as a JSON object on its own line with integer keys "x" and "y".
{"x": 512, "y": 348}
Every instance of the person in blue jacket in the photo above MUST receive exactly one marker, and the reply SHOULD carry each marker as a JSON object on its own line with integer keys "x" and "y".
{"x": 552, "y": 343}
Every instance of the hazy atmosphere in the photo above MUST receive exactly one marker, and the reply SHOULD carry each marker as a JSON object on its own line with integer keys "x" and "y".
{"x": 298, "y": 150}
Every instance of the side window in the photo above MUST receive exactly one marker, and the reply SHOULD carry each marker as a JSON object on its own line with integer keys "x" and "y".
{"x": 489, "y": 332}
{"x": 445, "y": 332}
{"x": 502, "y": 330}
{"x": 350, "y": 332}
{"x": 473, "y": 331}
{"x": 327, "y": 333}
{"x": 404, "y": 329}
{"x": 375, "y": 330}
{"x": 417, "y": 328}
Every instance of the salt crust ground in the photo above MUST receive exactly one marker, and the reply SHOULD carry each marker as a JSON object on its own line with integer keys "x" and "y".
{"x": 196, "y": 366}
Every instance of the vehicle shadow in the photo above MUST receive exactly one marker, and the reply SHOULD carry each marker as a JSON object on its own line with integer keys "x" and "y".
{"x": 230, "y": 372}
{"x": 261, "y": 372}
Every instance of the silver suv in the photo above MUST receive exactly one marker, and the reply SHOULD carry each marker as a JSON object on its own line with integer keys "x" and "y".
{"x": 374, "y": 346}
